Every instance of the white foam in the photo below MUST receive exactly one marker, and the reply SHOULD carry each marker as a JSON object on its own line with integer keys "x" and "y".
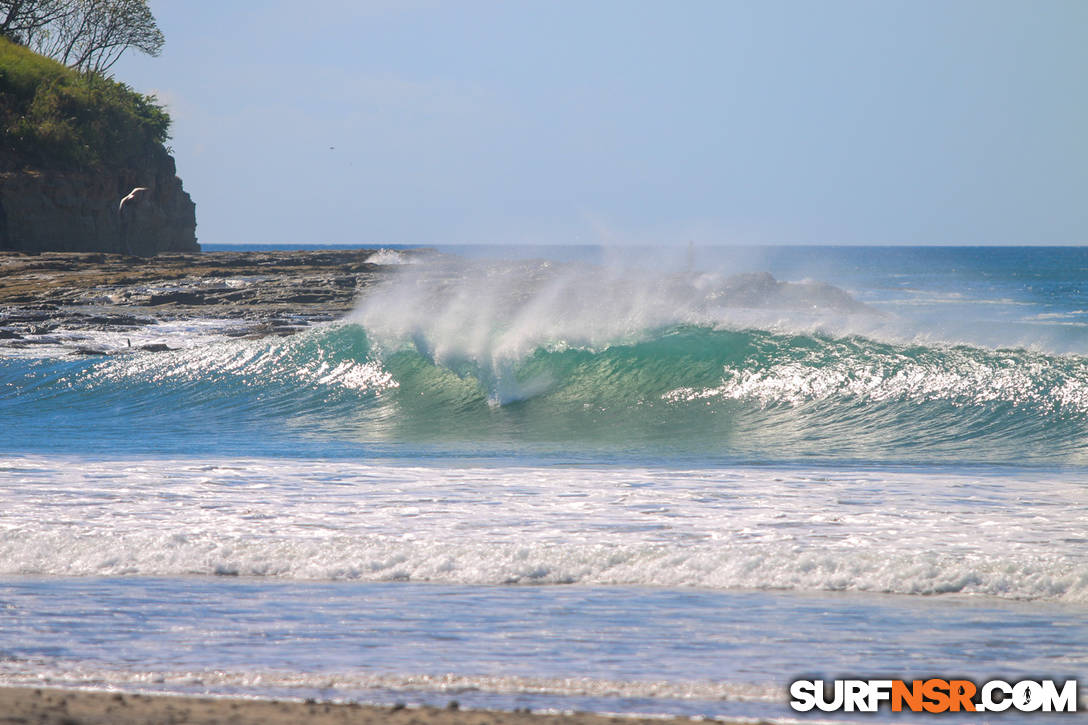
{"x": 217, "y": 680}
{"x": 962, "y": 376}
{"x": 184, "y": 334}
{"x": 390, "y": 257}
{"x": 298, "y": 361}
{"x": 1007, "y": 535}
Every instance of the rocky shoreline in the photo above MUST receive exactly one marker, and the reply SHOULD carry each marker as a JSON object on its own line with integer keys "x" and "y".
{"x": 53, "y": 297}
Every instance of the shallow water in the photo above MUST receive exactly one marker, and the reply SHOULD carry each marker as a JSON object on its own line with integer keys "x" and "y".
{"x": 611, "y": 649}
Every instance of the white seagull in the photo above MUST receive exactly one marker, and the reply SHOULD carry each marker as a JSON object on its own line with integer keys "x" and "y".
{"x": 133, "y": 196}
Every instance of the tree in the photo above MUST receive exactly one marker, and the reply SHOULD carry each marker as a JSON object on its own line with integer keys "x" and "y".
{"x": 97, "y": 33}
{"x": 88, "y": 35}
{"x": 21, "y": 20}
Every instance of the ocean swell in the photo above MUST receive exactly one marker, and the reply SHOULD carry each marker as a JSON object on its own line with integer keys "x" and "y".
{"x": 539, "y": 358}
{"x": 701, "y": 390}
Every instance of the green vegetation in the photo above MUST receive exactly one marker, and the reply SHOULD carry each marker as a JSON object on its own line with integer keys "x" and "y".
{"x": 52, "y": 116}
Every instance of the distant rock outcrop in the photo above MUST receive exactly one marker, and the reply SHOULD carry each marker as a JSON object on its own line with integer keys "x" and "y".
{"x": 78, "y": 211}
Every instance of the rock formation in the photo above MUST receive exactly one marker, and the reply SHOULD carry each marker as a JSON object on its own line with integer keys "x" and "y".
{"x": 77, "y": 211}
{"x": 53, "y": 300}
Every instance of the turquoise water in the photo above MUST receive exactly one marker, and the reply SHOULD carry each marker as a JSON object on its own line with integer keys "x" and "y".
{"x": 717, "y": 483}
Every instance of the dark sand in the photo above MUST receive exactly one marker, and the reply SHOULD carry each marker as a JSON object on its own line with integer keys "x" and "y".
{"x": 74, "y": 707}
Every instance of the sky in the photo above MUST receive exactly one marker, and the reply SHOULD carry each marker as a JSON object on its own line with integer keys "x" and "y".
{"x": 626, "y": 122}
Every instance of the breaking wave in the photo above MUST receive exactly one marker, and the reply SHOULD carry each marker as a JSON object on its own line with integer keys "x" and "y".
{"x": 498, "y": 358}
{"x": 729, "y": 392}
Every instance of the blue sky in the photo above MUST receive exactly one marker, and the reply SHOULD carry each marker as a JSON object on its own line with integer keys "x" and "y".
{"x": 615, "y": 122}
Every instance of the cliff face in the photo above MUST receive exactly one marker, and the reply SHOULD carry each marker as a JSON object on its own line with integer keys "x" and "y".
{"x": 77, "y": 211}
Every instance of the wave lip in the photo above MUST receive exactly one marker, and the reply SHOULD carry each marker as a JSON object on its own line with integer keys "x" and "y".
{"x": 498, "y": 314}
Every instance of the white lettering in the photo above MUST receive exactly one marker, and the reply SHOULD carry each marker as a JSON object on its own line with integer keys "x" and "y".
{"x": 803, "y": 693}
{"x": 855, "y": 697}
{"x": 1027, "y": 696}
{"x": 1064, "y": 701}
{"x": 988, "y": 690}
{"x": 879, "y": 691}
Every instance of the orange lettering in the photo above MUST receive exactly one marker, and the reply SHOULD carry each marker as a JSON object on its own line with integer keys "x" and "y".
{"x": 936, "y": 692}
{"x": 911, "y": 695}
{"x": 961, "y": 692}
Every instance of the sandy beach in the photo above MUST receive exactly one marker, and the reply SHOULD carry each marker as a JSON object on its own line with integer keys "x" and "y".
{"x": 73, "y": 707}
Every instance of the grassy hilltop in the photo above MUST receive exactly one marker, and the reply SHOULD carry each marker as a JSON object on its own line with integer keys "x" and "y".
{"x": 53, "y": 117}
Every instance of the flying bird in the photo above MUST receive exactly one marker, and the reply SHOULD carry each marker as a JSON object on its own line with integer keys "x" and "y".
{"x": 133, "y": 196}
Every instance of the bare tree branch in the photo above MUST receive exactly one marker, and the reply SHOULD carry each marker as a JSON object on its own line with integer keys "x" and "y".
{"x": 24, "y": 19}
{"x": 89, "y": 35}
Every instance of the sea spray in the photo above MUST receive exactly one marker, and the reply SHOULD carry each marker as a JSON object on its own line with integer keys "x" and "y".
{"x": 493, "y": 316}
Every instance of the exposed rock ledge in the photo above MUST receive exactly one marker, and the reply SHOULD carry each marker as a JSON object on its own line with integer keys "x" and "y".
{"x": 77, "y": 211}
{"x": 55, "y": 299}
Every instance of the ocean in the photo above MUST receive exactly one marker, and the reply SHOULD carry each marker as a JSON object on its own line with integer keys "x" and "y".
{"x": 654, "y": 481}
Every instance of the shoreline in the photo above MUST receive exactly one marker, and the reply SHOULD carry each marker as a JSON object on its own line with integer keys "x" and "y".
{"x": 67, "y": 706}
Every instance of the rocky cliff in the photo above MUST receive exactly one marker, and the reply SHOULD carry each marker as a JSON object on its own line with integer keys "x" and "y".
{"x": 72, "y": 147}
{"x": 78, "y": 211}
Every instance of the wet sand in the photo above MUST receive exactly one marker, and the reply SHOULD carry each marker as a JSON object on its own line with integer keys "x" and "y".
{"x": 47, "y": 706}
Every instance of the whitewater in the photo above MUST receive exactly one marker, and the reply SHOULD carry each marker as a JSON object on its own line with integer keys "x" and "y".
{"x": 569, "y": 478}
